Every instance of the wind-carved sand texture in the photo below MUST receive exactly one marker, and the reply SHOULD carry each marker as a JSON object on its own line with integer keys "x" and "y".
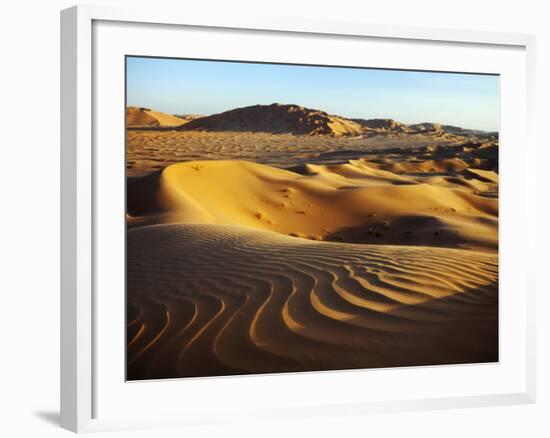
{"x": 283, "y": 246}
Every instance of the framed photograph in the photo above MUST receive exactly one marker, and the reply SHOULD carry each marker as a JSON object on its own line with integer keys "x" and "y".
{"x": 275, "y": 218}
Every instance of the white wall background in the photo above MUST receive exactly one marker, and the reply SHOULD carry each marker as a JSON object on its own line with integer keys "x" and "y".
{"x": 29, "y": 215}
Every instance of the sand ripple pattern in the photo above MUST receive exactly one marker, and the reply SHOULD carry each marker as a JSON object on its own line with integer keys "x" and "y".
{"x": 206, "y": 300}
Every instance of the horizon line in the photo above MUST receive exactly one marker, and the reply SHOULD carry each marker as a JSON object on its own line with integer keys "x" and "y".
{"x": 150, "y": 108}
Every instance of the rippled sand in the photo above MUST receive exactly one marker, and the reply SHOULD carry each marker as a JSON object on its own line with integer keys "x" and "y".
{"x": 154, "y": 150}
{"x": 215, "y": 300}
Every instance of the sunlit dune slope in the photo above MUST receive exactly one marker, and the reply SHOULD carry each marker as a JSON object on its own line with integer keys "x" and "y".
{"x": 219, "y": 299}
{"x": 353, "y": 202}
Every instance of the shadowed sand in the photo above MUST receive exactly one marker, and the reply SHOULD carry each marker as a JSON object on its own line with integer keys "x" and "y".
{"x": 218, "y": 299}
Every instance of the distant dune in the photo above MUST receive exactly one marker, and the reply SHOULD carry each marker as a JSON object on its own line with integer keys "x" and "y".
{"x": 290, "y": 119}
{"x": 144, "y": 117}
{"x": 427, "y": 127}
{"x": 390, "y": 126}
{"x": 383, "y": 125}
{"x": 276, "y": 119}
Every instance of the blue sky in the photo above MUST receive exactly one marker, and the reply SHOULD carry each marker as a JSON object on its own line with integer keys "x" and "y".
{"x": 179, "y": 86}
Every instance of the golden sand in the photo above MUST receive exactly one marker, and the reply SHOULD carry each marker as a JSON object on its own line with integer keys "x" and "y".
{"x": 255, "y": 252}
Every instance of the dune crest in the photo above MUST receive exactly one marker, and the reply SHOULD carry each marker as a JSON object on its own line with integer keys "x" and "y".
{"x": 277, "y": 119}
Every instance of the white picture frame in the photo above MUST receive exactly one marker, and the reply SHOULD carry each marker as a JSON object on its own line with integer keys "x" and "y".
{"x": 79, "y": 173}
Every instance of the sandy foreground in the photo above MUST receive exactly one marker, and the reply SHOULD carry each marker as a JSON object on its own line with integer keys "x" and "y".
{"x": 219, "y": 299}
{"x": 261, "y": 252}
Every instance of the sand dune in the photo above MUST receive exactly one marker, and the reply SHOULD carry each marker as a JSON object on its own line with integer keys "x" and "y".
{"x": 216, "y": 299}
{"x": 353, "y": 202}
{"x": 393, "y": 126}
{"x": 383, "y": 125}
{"x": 295, "y": 120}
{"x": 278, "y": 119}
{"x": 145, "y": 117}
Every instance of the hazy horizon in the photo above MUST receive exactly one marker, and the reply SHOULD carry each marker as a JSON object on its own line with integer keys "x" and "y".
{"x": 181, "y": 86}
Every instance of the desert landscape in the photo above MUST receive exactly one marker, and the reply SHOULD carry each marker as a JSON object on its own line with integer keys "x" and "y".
{"x": 279, "y": 238}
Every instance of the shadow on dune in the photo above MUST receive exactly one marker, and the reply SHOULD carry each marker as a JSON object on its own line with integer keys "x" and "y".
{"x": 142, "y": 194}
{"x": 415, "y": 230}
